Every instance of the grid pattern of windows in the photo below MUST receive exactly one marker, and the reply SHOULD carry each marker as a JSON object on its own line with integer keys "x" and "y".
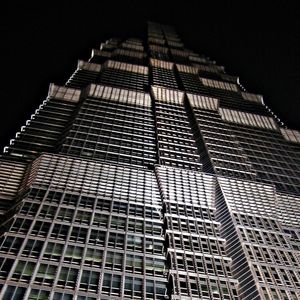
{"x": 85, "y": 74}
{"x": 268, "y": 248}
{"x": 203, "y": 102}
{"x": 291, "y": 135}
{"x": 229, "y": 95}
{"x": 117, "y": 207}
{"x": 247, "y": 119}
{"x": 220, "y": 146}
{"x": 124, "y": 75}
{"x": 43, "y": 131}
{"x": 194, "y": 244}
{"x": 289, "y": 210}
{"x": 114, "y": 130}
{"x": 11, "y": 175}
{"x": 247, "y": 196}
{"x": 83, "y": 243}
{"x": 162, "y": 73}
{"x": 176, "y": 146}
{"x": 163, "y": 77}
{"x": 129, "y": 55}
{"x": 158, "y": 52}
{"x": 92, "y": 178}
{"x": 101, "y": 56}
{"x": 274, "y": 160}
{"x": 219, "y": 84}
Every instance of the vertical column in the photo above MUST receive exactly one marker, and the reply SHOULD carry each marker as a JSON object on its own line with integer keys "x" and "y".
{"x": 263, "y": 257}
{"x": 176, "y": 145}
{"x": 199, "y": 267}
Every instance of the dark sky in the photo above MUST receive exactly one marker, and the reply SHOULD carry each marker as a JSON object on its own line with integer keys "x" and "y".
{"x": 41, "y": 43}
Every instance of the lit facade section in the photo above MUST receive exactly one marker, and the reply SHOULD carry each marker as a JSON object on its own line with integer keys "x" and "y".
{"x": 151, "y": 174}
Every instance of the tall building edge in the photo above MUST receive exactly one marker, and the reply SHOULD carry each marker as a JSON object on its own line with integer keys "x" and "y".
{"x": 151, "y": 174}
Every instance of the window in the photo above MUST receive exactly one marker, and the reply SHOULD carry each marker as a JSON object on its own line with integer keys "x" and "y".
{"x": 70, "y": 199}
{"x": 14, "y": 293}
{"x": 155, "y": 266}
{"x": 215, "y": 289}
{"x": 40, "y": 228}
{"x": 193, "y": 286}
{"x": 73, "y": 254}
{"x": 119, "y": 207}
{"x": 183, "y": 287}
{"x": 111, "y": 284}
{"x": 204, "y": 287}
{"x": 209, "y": 265}
{"x": 87, "y": 202}
{"x": 136, "y": 210}
{"x": 154, "y": 246}
{"x": 89, "y": 281}
{"x": 53, "y": 251}
{"x": 67, "y": 278}
{"x": 33, "y": 248}
{"x": 133, "y": 287}
{"x": 36, "y": 194}
{"x": 10, "y": 245}
{"x": 97, "y": 237}
{"x": 29, "y": 209}
{"x": 47, "y": 212}
{"x": 20, "y": 226}
{"x": 116, "y": 240}
{"x": 45, "y": 274}
{"x": 135, "y": 225}
{"x": 134, "y": 263}
{"x": 53, "y": 197}
{"x": 5, "y": 267}
{"x": 65, "y": 214}
{"x": 103, "y": 205}
{"x": 23, "y": 271}
{"x": 85, "y": 298}
{"x": 78, "y": 235}
{"x": 155, "y": 289}
{"x": 117, "y": 223}
{"x": 38, "y": 295}
{"x": 114, "y": 261}
{"x": 83, "y": 217}
{"x": 64, "y": 296}
{"x": 100, "y": 220}
{"x": 60, "y": 232}
{"x": 153, "y": 228}
{"x": 134, "y": 243}
{"x": 93, "y": 257}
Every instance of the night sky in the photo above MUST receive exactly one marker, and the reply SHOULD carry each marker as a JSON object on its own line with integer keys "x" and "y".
{"x": 41, "y": 43}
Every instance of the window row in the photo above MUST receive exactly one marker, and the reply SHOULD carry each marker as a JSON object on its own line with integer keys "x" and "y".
{"x": 193, "y": 226}
{"x": 277, "y": 276}
{"x": 205, "y": 288}
{"x": 263, "y": 237}
{"x": 196, "y": 244}
{"x": 89, "y": 282}
{"x": 208, "y": 265}
{"x": 272, "y": 256}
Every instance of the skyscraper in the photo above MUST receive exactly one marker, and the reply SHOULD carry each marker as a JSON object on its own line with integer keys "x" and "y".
{"x": 151, "y": 174}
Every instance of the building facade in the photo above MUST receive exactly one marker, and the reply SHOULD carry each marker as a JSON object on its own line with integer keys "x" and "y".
{"x": 151, "y": 174}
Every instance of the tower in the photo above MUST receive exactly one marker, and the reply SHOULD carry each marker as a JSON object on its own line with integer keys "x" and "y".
{"x": 151, "y": 174}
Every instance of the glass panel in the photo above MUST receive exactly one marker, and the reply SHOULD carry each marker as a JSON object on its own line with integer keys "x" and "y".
{"x": 93, "y": 257}
{"x": 14, "y": 293}
{"x": 38, "y": 295}
{"x": 45, "y": 274}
